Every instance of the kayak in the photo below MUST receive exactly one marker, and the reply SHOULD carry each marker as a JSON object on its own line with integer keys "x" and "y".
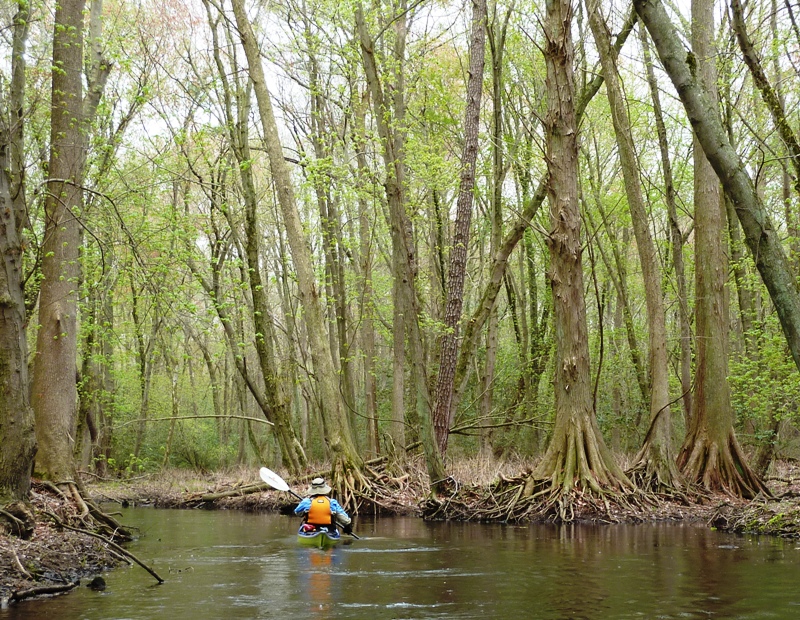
{"x": 322, "y": 539}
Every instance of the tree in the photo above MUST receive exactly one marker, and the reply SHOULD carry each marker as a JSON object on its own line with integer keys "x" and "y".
{"x": 404, "y": 252}
{"x": 17, "y": 441}
{"x": 442, "y": 410}
{"x": 760, "y": 235}
{"x": 577, "y": 458}
{"x": 711, "y": 455}
{"x": 236, "y": 97}
{"x": 531, "y": 205}
{"x": 676, "y": 235}
{"x": 338, "y": 434}
{"x": 654, "y": 464}
{"x": 53, "y": 389}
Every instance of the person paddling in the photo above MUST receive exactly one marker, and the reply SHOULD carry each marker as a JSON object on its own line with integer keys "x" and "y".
{"x": 321, "y": 511}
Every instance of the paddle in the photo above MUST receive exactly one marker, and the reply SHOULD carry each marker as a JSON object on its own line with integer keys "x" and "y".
{"x": 276, "y": 482}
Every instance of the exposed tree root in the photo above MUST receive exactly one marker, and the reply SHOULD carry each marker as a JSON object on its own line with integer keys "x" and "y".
{"x": 658, "y": 474}
{"x": 17, "y": 519}
{"x": 371, "y": 489}
{"x": 576, "y": 479}
{"x": 720, "y": 467}
{"x": 76, "y": 510}
{"x": 525, "y": 498}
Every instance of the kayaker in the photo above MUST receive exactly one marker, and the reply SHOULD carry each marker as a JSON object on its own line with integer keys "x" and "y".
{"x": 321, "y": 511}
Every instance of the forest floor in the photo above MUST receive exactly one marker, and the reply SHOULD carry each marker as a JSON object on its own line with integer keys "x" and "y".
{"x": 53, "y": 558}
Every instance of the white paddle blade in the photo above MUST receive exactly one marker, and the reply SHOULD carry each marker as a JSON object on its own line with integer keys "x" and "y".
{"x": 273, "y": 479}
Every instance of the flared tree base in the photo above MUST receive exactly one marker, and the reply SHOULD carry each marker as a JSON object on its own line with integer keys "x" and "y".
{"x": 719, "y": 466}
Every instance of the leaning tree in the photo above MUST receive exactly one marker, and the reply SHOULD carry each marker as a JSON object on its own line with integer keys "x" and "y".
{"x": 711, "y": 454}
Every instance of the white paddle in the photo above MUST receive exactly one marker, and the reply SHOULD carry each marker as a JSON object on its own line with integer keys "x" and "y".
{"x": 275, "y": 481}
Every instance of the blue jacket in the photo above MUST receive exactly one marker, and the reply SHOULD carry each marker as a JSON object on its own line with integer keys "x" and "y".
{"x": 336, "y": 510}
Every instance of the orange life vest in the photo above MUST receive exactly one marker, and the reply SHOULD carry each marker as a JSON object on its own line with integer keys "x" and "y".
{"x": 320, "y": 511}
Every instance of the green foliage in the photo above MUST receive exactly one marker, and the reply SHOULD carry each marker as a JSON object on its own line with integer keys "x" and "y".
{"x": 765, "y": 387}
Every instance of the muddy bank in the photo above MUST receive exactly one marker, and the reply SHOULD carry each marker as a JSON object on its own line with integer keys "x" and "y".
{"x": 50, "y": 559}
{"x": 775, "y": 516}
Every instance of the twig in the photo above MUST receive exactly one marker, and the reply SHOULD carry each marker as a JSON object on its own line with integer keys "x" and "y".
{"x": 19, "y": 566}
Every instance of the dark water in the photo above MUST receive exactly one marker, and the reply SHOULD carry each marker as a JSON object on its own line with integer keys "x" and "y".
{"x": 233, "y": 565}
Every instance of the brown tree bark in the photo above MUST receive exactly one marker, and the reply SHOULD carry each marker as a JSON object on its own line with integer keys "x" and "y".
{"x": 577, "y": 458}
{"x": 710, "y": 455}
{"x": 654, "y": 465}
{"x": 17, "y": 440}
{"x": 443, "y": 413}
{"x": 53, "y": 389}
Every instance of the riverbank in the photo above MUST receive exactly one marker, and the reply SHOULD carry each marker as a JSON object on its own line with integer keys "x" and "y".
{"x": 56, "y": 559}
{"x": 50, "y": 560}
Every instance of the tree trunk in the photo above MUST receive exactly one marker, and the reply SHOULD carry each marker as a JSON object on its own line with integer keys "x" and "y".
{"x": 276, "y": 392}
{"x": 762, "y": 239}
{"x": 443, "y": 413}
{"x": 710, "y": 455}
{"x": 366, "y": 299}
{"x": 173, "y": 368}
{"x": 474, "y": 325}
{"x": 620, "y": 281}
{"x": 53, "y": 389}
{"x": 676, "y": 236}
{"x": 331, "y": 229}
{"x": 145, "y": 363}
{"x": 338, "y": 433}
{"x": 17, "y": 440}
{"x": 404, "y": 260}
{"x": 654, "y": 465}
{"x": 577, "y": 457}
{"x": 402, "y": 272}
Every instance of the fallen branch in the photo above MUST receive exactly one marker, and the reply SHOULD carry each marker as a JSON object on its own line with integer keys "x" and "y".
{"x": 21, "y": 595}
{"x": 110, "y": 543}
{"x": 196, "y": 417}
{"x": 18, "y": 564}
{"x": 245, "y": 490}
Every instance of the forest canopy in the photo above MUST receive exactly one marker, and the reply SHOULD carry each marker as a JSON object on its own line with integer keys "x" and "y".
{"x": 296, "y": 232}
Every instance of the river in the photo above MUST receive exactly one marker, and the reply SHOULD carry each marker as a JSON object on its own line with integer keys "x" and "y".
{"x": 230, "y": 565}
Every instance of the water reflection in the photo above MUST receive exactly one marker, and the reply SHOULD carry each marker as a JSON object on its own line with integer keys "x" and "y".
{"x": 317, "y": 578}
{"x": 249, "y": 566}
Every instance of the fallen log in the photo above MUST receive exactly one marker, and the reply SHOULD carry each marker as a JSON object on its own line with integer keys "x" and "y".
{"x": 236, "y": 492}
{"x": 21, "y": 595}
